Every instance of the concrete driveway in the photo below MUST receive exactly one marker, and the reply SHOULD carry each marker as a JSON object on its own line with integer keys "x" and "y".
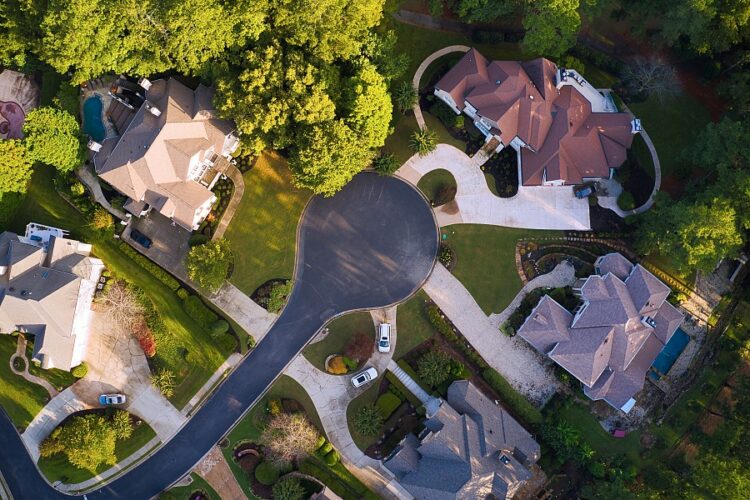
{"x": 534, "y": 207}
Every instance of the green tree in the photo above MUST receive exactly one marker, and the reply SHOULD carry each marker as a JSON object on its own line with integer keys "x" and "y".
{"x": 486, "y": 10}
{"x": 164, "y": 381}
{"x": 423, "y": 142}
{"x": 52, "y": 136}
{"x": 279, "y": 296}
{"x": 721, "y": 477}
{"x": 385, "y": 164}
{"x": 15, "y": 166}
{"x": 88, "y": 441}
{"x": 102, "y": 220}
{"x": 551, "y": 27}
{"x": 370, "y": 107}
{"x": 434, "y": 367}
{"x": 405, "y": 96}
{"x": 368, "y": 420}
{"x": 289, "y": 489}
{"x": 208, "y": 264}
{"x": 708, "y": 26}
{"x": 122, "y": 424}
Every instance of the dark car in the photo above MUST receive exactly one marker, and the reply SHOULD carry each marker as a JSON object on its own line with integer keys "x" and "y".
{"x": 584, "y": 191}
{"x": 141, "y": 238}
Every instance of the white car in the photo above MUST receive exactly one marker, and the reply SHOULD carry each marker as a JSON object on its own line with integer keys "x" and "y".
{"x": 384, "y": 337}
{"x": 112, "y": 399}
{"x": 364, "y": 377}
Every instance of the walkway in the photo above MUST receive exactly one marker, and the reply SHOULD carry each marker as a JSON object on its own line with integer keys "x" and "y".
{"x": 430, "y": 403}
{"x": 92, "y": 182}
{"x": 221, "y": 372}
{"x": 421, "y": 69}
{"x": 518, "y": 363}
{"x": 533, "y": 207}
{"x": 254, "y": 319}
{"x": 235, "y": 176}
{"x": 21, "y": 353}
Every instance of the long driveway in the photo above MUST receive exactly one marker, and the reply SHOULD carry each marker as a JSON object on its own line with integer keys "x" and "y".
{"x": 371, "y": 245}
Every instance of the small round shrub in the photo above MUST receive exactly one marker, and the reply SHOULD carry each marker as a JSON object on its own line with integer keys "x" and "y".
{"x": 266, "y": 473}
{"x": 320, "y": 443}
{"x": 325, "y": 449}
{"x": 626, "y": 201}
{"x": 77, "y": 189}
{"x": 80, "y": 371}
{"x": 332, "y": 458}
{"x": 219, "y": 328}
{"x": 182, "y": 293}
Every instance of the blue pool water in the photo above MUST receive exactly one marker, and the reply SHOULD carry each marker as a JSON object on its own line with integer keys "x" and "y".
{"x": 92, "y": 118}
{"x": 669, "y": 354}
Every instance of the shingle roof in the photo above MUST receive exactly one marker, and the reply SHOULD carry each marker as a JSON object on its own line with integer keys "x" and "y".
{"x": 616, "y": 264}
{"x": 547, "y": 325}
{"x": 648, "y": 291}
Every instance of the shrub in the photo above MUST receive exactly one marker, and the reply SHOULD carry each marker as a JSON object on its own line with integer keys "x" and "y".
{"x": 368, "y": 420}
{"x": 336, "y": 366}
{"x": 388, "y": 403}
{"x": 266, "y": 473}
{"x": 321, "y": 442}
{"x": 360, "y": 347}
{"x": 77, "y": 189}
{"x": 289, "y": 436}
{"x": 102, "y": 220}
{"x": 197, "y": 310}
{"x": 405, "y": 96}
{"x": 423, "y": 142}
{"x": 385, "y": 164}
{"x": 445, "y": 194}
{"x": 164, "y": 381}
{"x": 445, "y": 114}
{"x": 325, "y": 449}
{"x": 183, "y": 294}
{"x": 122, "y": 424}
{"x": 275, "y": 407}
{"x": 519, "y": 404}
{"x": 440, "y": 324}
{"x": 289, "y": 489}
{"x": 197, "y": 239}
{"x": 626, "y": 201}
{"x": 219, "y": 328}
{"x": 434, "y": 367}
{"x": 350, "y": 363}
{"x": 156, "y": 271}
{"x": 279, "y": 295}
{"x": 80, "y": 371}
{"x": 332, "y": 458}
{"x": 145, "y": 337}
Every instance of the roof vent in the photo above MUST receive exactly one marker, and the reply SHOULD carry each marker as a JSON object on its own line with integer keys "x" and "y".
{"x": 531, "y": 97}
{"x": 498, "y": 82}
{"x": 154, "y": 110}
{"x": 504, "y": 459}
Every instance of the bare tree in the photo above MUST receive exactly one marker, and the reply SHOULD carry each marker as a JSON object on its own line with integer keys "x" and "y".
{"x": 121, "y": 304}
{"x": 651, "y": 76}
{"x": 288, "y": 437}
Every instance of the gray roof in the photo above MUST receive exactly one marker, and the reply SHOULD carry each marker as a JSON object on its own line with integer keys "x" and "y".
{"x": 607, "y": 345}
{"x": 459, "y": 457}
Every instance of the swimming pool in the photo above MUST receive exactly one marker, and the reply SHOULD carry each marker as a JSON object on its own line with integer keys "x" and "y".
{"x": 669, "y": 354}
{"x": 92, "y": 118}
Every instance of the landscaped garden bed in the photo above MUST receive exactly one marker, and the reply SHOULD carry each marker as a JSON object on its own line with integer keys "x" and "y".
{"x": 348, "y": 343}
{"x": 501, "y": 173}
{"x": 439, "y": 186}
{"x": 540, "y": 257}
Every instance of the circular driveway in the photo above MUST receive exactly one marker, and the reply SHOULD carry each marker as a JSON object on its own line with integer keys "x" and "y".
{"x": 371, "y": 245}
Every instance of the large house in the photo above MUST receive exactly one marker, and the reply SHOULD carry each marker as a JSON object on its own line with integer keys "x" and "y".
{"x": 47, "y": 284}
{"x": 470, "y": 448}
{"x": 563, "y": 129}
{"x": 171, "y": 151}
{"x": 612, "y": 338}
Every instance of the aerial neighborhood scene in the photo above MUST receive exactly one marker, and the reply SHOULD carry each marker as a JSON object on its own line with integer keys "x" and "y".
{"x": 362, "y": 249}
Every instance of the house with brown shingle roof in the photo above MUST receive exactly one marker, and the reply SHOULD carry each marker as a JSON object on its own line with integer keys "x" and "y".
{"x": 170, "y": 154}
{"x": 563, "y": 130}
{"x": 613, "y": 337}
{"x": 47, "y": 285}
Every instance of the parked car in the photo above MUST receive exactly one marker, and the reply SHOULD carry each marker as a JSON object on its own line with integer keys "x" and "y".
{"x": 584, "y": 191}
{"x": 112, "y": 399}
{"x": 364, "y": 377}
{"x": 384, "y": 337}
{"x": 141, "y": 239}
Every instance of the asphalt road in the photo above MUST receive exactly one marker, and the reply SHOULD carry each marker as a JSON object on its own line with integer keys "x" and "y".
{"x": 371, "y": 245}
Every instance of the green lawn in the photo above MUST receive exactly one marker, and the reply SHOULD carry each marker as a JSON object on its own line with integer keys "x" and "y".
{"x": 263, "y": 233}
{"x": 184, "y": 492}
{"x": 641, "y": 152}
{"x": 398, "y": 142}
{"x": 340, "y": 331}
{"x": 431, "y": 183}
{"x": 60, "y": 379}
{"x": 22, "y": 400}
{"x": 43, "y": 205}
{"x": 366, "y": 398}
{"x": 485, "y": 261}
{"x": 57, "y": 467}
{"x": 413, "y": 325}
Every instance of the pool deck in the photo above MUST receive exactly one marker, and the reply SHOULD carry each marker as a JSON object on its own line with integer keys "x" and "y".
{"x": 100, "y": 87}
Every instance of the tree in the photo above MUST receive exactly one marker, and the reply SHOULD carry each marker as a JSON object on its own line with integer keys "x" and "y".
{"x": 80, "y": 371}
{"x": 360, "y": 347}
{"x": 52, "y": 136}
{"x": 208, "y": 264}
{"x": 434, "y": 367}
{"x": 164, "y": 381}
{"x": 721, "y": 477}
{"x": 370, "y": 107}
{"x": 368, "y": 420}
{"x": 551, "y": 26}
{"x": 705, "y": 26}
{"x": 423, "y": 142}
{"x": 289, "y": 489}
{"x": 15, "y": 166}
{"x": 122, "y": 424}
{"x": 405, "y": 96}
{"x": 121, "y": 304}
{"x": 289, "y": 436}
{"x": 486, "y": 10}
{"x": 651, "y": 76}
{"x": 102, "y": 220}
{"x": 385, "y": 164}
{"x": 88, "y": 441}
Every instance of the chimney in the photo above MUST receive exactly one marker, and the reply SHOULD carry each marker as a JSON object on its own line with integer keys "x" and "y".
{"x": 145, "y": 83}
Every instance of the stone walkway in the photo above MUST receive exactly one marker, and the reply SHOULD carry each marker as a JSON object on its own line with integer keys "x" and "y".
{"x": 239, "y": 190}
{"x": 533, "y": 207}
{"x": 21, "y": 353}
{"x": 430, "y": 403}
{"x": 92, "y": 182}
{"x": 421, "y": 69}
{"x": 215, "y": 470}
{"x": 518, "y": 363}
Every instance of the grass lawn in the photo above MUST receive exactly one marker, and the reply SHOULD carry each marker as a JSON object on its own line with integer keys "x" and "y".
{"x": 60, "y": 379}
{"x": 366, "y": 398}
{"x": 57, "y": 467}
{"x": 43, "y": 205}
{"x": 184, "y": 492}
{"x": 431, "y": 183}
{"x": 263, "y": 233}
{"x": 413, "y": 325}
{"x": 340, "y": 331}
{"x": 673, "y": 126}
{"x": 641, "y": 152}
{"x": 398, "y": 142}
{"x": 485, "y": 261}
{"x": 22, "y": 400}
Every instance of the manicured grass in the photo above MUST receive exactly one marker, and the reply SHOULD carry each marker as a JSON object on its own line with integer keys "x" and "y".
{"x": 184, "y": 492}
{"x": 673, "y": 125}
{"x": 413, "y": 325}
{"x": 57, "y": 467}
{"x": 60, "y": 379}
{"x": 263, "y": 233}
{"x": 340, "y": 331}
{"x": 9, "y": 203}
{"x": 398, "y": 142}
{"x": 485, "y": 261}
{"x": 369, "y": 397}
{"x": 22, "y": 400}
{"x": 641, "y": 152}
{"x": 195, "y": 355}
{"x": 431, "y": 183}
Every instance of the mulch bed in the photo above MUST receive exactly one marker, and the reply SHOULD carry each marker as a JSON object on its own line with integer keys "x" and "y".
{"x": 263, "y": 292}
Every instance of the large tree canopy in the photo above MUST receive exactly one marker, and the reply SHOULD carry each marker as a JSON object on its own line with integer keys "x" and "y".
{"x": 53, "y": 137}
{"x": 15, "y": 166}
{"x": 551, "y": 26}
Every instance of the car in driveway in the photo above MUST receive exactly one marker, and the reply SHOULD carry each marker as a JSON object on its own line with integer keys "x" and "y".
{"x": 364, "y": 377}
{"x": 384, "y": 337}
{"x": 112, "y": 399}
{"x": 584, "y": 191}
{"x": 141, "y": 239}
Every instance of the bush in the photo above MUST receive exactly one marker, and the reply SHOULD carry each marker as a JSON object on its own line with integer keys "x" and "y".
{"x": 156, "y": 271}
{"x": 275, "y": 407}
{"x": 77, "y": 189}
{"x": 445, "y": 194}
{"x": 445, "y": 114}
{"x": 164, "y": 381}
{"x": 519, "y": 404}
{"x": 102, "y": 220}
{"x": 336, "y": 366}
{"x": 122, "y": 424}
{"x": 626, "y": 201}
{"x": 321, "y": 442}
{"x": 405, "y": 96}
{"x": 145, "y": 337}
{"x": 360, "y": 347}
{"x": 325, "y": 449}
{"x": 183, "y": 294}
{"x": 423, "y": 142}
{"x": 350, "y": 363}
{"x": 266, "y": 473}
{"x": 434, "y": 367}
{"x": 332, "y": 458}
{"x": 197, "y": 239}
{"x": 198, "y": 312}
{"x": 279, "y": 295}
{"x": 80, "y": 371}
{"x": 289, "y": 489}
{"x": 368, "y": 420}
{"x": 385, "y": 164}
{"x": 388, "y": 403}
{"x": 218, "y": 328}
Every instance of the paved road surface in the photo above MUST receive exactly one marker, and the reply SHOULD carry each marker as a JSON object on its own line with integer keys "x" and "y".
{"x": 369, "y": 246}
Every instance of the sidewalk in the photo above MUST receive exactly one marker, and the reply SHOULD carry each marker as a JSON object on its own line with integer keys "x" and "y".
{"x": 243, "y": 310}
{"x": 21, "y": 353}
{"x": 232, "y": 361}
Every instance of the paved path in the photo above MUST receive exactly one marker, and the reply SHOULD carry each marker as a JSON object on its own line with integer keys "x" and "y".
{"x": 239, "y": 190}
{"x": 58, "y": 409}
{"x": 431, "y": 404}
{"x": 421, "y": 69}
{"x": 534, "y": 207}
{"x": 343, "y": 264}
{"x": 521, "y": 366}
{"x": 215, "y": 470}
{"x": 254, "y": 319}
{"x": 222, "y": 371}
{"x": 21, "y": 353}
{"x": 92, "y": 182}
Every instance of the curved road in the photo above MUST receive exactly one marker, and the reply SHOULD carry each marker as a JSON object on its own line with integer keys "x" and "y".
{"x": 369, "y": 246}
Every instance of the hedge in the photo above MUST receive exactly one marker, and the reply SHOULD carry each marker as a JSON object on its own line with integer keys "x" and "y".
{"x": 509, "y": 396}
{"x": 413, "y": 374}
{"x": 402, "y": 389}
{"x": 156, "y": 271}
{"x": 388, "y": 403}
{"x": 197, "y": 310}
